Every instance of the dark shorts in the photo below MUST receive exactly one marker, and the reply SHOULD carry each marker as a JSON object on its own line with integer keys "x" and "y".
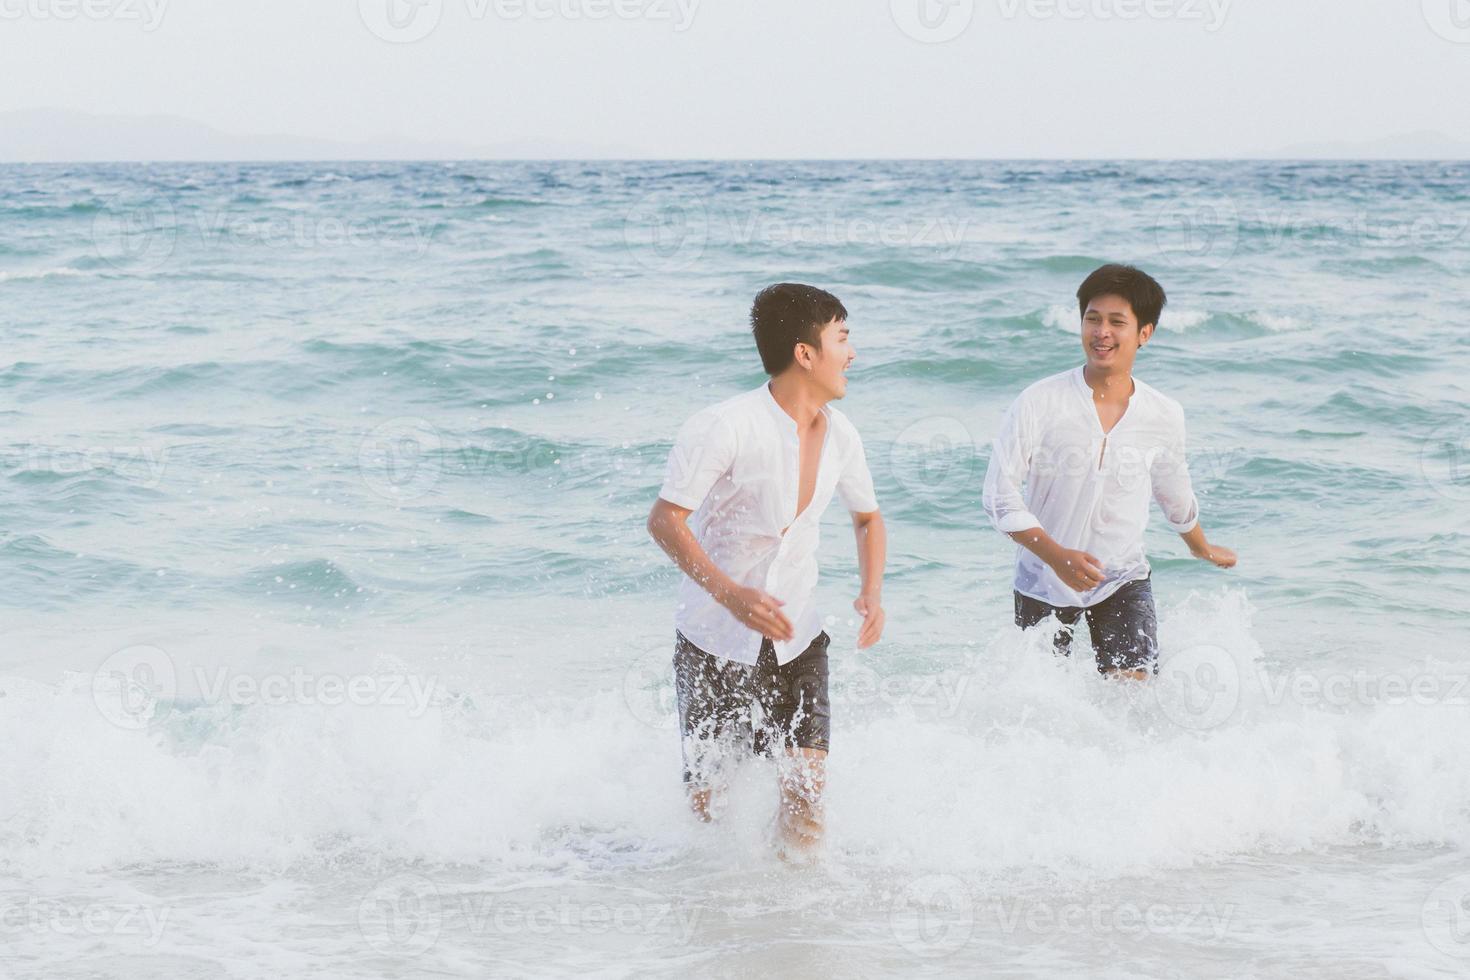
{"x": 1124, "y": 626}
{"x": 727, "y": 707}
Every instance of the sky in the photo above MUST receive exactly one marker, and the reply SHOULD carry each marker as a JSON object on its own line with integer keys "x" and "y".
{"x": 761, "y": 78}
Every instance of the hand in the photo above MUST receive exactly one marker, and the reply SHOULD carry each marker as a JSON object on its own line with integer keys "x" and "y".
{"x": 761, "y": 612}
{"x": 1219, "y": 554}
{"x": 869, "y": 607}
{"x": 1078, "y": 570}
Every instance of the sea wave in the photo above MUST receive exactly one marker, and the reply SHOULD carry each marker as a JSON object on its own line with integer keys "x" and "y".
{"x": 61, "y": 271}
{"x": 1067, "y": 318}
{"x": 989, "y": 759}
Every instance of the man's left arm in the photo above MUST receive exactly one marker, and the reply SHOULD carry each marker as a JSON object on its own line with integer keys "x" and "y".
{"x": 1174, "y": 492}
{"x": 1200, "y": 548}
{"x": 872, "y": 550}
{"x": 855, "y": 488}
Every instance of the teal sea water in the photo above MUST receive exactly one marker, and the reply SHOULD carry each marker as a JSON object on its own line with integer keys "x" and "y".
{"x": 332, "y": 642}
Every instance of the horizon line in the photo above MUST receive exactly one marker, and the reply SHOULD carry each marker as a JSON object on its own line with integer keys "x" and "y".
{"x": 653, "y": 159}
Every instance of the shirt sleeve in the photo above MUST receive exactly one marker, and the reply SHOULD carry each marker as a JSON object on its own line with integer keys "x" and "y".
{"x": 703, "y": 452}
{"x": 1172, "y": 486}
{"x": 1010, "y": 460}
{"x": 855, "y": 485}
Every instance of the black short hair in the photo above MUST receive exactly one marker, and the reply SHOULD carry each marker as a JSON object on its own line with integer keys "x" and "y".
{"x": 788, "y": 314}
{"x": 1139, "y": 288}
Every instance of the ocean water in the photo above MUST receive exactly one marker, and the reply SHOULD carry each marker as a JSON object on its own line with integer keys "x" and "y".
{"x": 332, "y": 643}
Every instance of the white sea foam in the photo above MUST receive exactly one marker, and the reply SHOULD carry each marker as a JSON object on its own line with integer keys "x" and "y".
{"x": 1273, "y": 321}
{"x": 57, "y": 271}
{"x": 1034, "y": 763}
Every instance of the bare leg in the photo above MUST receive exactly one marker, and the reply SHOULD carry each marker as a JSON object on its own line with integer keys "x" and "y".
{"x": 801, "y": 820}
{"x": 705, "y": 776}
{"x": 1130, "y": 675}
{"x": 700, "y": 801}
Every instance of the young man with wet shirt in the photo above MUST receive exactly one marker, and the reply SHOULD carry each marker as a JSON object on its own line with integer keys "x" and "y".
{"x": 739, "y": 512}
{"x": 1091, "y": 445}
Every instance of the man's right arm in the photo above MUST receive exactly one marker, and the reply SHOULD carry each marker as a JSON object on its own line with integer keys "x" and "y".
{"x": 668, "y": 524}
{"x": 1005, "y": 504}
{"x": 1078, "y": 570}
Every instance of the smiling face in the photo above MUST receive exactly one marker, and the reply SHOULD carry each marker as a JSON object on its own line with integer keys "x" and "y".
{"x": 826, "y": 366}
{"x": 1111, "y": 335}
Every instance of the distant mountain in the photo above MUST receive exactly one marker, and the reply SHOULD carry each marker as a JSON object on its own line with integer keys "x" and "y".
{"x": 1423, "y": 145}
{"x": 54, "y": 135}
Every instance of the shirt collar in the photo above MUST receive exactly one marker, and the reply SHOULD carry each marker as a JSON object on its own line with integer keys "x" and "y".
{"x": 1079, "y": 378}
{"x": 775, "y": 406}
{"x": 780, "y": 412}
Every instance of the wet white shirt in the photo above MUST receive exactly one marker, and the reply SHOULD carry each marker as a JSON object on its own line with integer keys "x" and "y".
{"x": 736, "y": 465}
{"x": 1088, "y": 490}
